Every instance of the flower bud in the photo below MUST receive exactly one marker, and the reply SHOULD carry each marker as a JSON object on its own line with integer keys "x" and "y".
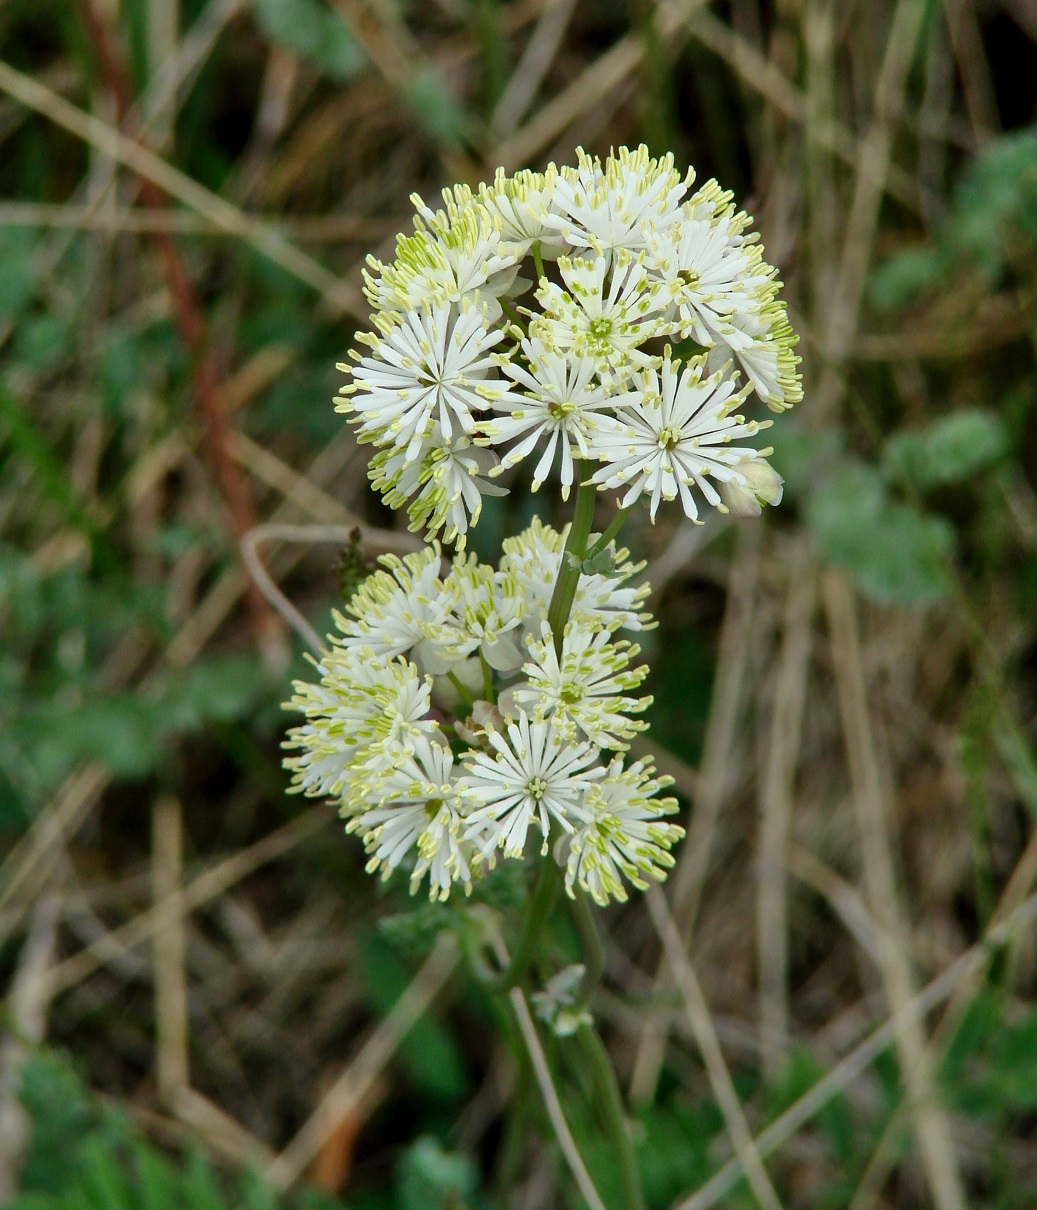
{"x": 763, "y": 485}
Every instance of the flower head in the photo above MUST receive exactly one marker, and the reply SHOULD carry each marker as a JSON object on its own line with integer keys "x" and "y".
{"x": 533, "y": 776}
{"x": 627, "y": 836}
{"x": 360, "y": 704}
{"x": 620, "y": 206}
{"x": 564, "y": 403}
{"x": 404, "y": 610}
{"x": 605, "y": 310}
{"x": 431, "y": 373}
{"x": 442, "y": 488}
{"x": 533, "y": 557}
{"x": 418, "y": 806}
{"x": 455, "y": 255}
{"x": 680, "y": 429}
{"x": 584, "y": 692}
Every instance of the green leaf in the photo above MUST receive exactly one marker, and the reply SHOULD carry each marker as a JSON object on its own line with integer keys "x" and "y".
{"x": 1014, "y": 1073}
{"x": 104, "y": 1186}
{"x": 430, "y": 100}
{"x": 429, "y": 1177}
{"x": 44, "y": 340}
{"x": 894, "y": 552}
{"x": 219, "y": 690}
{"x": 996, "y": 201}
{"x": 18, "y": 280}
{"x": 200, "y": 1190}
{"x": 673, "y": 1155}
{"x": 157, "y": 1179}
{"x": 429, "y": 1052}
{"x": 801, "y": 456}
{"x": 119, "y": 731}
{"x": 948, "y": 451}
{"x": 313, "y": 31}
{"x": 904, "y": 278}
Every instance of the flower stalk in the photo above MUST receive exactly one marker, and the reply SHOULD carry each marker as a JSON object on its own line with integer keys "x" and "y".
{"x": 614, "y": 323}
{"x": 572, "y": 557}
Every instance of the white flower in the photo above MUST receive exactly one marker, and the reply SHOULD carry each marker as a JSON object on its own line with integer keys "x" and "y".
{"x": 709, "y": 273}
{"x": 680, "y": 432}
{"x": 519, "y": 205}
{"x": 762, "y": 345}
{"x": 563, "y": 401}
{"x": 627, "y": 836}
{"x": 533, "y": 557}
{"x": 404, "y": 610}
{"x": 419, "y": 805}
{"x": 361, "y": 701}
{"x": 445, "y": 484}
{"x": 535, "y": 776}
{"x": 454, "y": 256}
{"x": 429, "y": 371}
{"x": 606, "y": 311}
{"x": 584, "y": 692}
{"x": 617, "y": 207}
{"x": 487, "y": 614}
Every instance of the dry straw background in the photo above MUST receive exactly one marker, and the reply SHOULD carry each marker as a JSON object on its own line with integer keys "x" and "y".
{"x": 830, "y": 1002}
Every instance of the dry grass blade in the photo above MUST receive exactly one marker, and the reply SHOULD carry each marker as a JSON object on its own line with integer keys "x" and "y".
{"x": 171, "y": 1019}
{"x": 366, "y": 1068}
{"x": 342, "y": 297}
{"x": 776, "y": 797}
{"x": 705, "y": 1035}
{"x": 545, "y": 1082}
{"x": 25, "y": 1008}
{"x": 34, "y": 857}
{"x": 712, "y": 781}
{"x": 861, "y": 1057}
{"x": 870, "y": 803}
{"x": 530, "y": 70}
{"x": 204, "y": 888}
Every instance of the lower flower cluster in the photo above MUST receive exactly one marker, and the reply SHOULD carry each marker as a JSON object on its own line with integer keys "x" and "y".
{"x": 449, "y": 727}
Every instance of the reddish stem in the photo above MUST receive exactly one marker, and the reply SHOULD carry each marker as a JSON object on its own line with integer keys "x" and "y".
{"x": 230, "y": 480}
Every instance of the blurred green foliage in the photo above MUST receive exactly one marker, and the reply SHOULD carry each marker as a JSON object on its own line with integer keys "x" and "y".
{"x": 85, "y": 1155}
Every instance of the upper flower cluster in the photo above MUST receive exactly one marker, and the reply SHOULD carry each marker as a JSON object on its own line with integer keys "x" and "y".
{"x": 447, "y": 725}
{"x": 604, "y": 312}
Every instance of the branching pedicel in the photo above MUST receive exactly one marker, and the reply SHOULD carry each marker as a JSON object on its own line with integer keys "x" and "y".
{"x": 606, "y": 321}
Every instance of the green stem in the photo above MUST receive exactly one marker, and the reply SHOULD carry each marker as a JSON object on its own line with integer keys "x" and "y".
{"x": 487, "y": 679}
{"x": 593, "y": 954}
{"x": 513, "y": 315}
{"x": 609, "y": 1104}
{"x": 614, "y": 526}
{"x": 538, "y": 260}
{"x": 576, "y": 545}
{"x": 462, "y": 689}
{"x": 537, "y": 915}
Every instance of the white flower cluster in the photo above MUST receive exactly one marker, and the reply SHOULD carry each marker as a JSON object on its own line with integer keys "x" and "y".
{"x": 447, "y": 727}
{"x": 606, "y": 312}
